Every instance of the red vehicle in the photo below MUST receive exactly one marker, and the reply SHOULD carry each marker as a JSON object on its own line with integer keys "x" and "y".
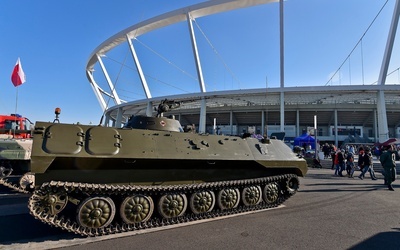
{"x": 15, "y": 125}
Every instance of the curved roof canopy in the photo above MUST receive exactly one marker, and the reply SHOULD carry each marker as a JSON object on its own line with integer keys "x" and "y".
{"x": 179, "y": 15}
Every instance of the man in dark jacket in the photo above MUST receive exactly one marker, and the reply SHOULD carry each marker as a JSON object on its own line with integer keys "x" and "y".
{"x": 341, "y": 161}
{"x": 388, "y": 161}
{"x": 360, "y": 162}
{"x": 368, "y": 165}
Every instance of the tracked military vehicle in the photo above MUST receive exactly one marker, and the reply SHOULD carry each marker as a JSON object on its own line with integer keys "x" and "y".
{"x": 15, "y": 151}
{"x": 94, "y": 180}
{"x": 15, "y": 164}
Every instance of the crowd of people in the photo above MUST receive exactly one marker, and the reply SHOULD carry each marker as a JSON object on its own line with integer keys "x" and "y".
{"x": 344, "y": 160}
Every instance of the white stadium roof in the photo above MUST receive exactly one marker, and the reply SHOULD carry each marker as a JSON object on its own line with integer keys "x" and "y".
{"x": 353, "y": 104}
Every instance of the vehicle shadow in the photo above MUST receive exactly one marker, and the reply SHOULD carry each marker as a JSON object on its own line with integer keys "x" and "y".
{"x": 384, "y": 240}
{"x": 23, "y": 228}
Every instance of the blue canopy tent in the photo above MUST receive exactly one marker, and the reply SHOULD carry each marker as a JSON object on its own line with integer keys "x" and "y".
{"x": 305, "y": 140}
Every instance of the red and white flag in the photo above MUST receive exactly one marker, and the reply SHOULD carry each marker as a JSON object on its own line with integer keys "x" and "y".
{"x": 18, "y": 75}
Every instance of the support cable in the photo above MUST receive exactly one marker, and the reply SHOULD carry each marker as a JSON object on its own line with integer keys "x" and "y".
{"x": 398, "y": 71}
{"x": 218, "y": 54}
{"x": 350, "y": 70}
{"x": 165, "y": 59}
{"x": 114, "y": 87}
{"x": 151, "y": 77}
{"x": 359, "y": 41}
{"x": 362, "y": 63}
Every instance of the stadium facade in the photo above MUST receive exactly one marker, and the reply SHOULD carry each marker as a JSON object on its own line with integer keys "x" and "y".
{"x": 354, "y": 113}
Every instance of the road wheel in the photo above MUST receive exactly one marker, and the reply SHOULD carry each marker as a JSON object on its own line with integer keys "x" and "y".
{"x": 172, "y": 205}
{"x": 271, "y": 193}
{"x": 202, "y": 202}
{"x": 228, "y": 198}
{"x": 251, "y": 195}
{"x": 137, "y": 208}
{"x": 96, "y": 212}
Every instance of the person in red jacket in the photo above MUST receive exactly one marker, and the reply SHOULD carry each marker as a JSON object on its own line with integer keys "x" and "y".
{"x": 339, "y": 163}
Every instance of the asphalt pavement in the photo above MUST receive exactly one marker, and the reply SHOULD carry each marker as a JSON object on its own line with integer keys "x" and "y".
{"x": 327, "y": 212}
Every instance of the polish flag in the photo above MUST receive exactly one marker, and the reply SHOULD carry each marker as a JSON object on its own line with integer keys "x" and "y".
{"x": 18, "y": 75}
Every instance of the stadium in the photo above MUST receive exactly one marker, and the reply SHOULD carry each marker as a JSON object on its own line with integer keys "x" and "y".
{"x": 336, "y": 114}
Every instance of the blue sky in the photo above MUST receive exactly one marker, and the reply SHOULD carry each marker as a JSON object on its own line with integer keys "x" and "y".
{"x": 54, "y": 40}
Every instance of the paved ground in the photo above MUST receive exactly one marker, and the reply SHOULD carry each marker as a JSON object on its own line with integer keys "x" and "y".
{"x": 328, "y": 212}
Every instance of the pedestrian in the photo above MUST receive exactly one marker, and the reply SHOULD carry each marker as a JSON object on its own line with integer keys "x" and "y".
{"x": 368, "y": 165}
{"x": 351, "y": 149}
{"x": 388, "y": 161}
{"x": 377, "y": 152}
{"x": 339, "y": 163}
{"x": 333, "y": 158}
{"x": 360, "y": 162}
{"x": 325, "y": 149}
{"x": 335, "y": 163}
{"x": 342, "y": 162}
{"x": 350, "y": 164}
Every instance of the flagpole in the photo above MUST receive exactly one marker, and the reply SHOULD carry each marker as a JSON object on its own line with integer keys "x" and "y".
{"x": 17, "y": 78}
{"x": 16, "y": 101}
{"x": 15, "y": 115}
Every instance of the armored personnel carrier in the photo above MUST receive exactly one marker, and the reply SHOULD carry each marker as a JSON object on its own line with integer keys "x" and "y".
{"x": 15, "y": 164}
{"x": 15, "y": 152}
{"x": 94, "y": 180}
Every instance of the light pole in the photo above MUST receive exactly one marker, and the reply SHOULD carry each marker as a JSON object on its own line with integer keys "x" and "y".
{"x": 215, "y": 126}
{"x": 315, "y": 134}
